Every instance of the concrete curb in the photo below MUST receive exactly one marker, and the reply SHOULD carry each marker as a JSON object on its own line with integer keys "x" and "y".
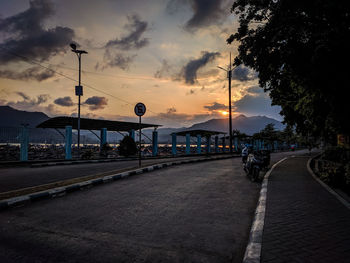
{"x": 61, "y": 191}
{"x": 253, "y": 249}
{"x": 72, "y": 162}
{"x": 330, "y": 190}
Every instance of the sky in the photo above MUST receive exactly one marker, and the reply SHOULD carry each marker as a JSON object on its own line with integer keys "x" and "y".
{"x": 163, "y": 53}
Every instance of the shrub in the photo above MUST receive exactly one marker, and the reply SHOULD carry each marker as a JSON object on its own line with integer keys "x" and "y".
{"x": 105, "y": 149}
{"x": 127, "y": 146}
{"x": 87, "y": 155}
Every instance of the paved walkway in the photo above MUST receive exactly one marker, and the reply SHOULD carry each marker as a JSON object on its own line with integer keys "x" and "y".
{"x": 304, "y": 222}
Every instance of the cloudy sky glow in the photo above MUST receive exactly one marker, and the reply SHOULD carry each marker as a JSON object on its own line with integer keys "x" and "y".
{"x": 162, "y": 53}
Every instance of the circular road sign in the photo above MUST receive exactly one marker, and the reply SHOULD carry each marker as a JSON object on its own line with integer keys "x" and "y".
{"x": 140, "y": 109}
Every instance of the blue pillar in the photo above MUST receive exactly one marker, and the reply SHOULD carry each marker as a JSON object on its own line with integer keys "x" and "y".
{"x": 236, "y": 144}
{"x": 188, "y": 143}
{"x": 223, "y": 144}
{"x": 24, "y": 144}
{"x": 132, "y": 134}
{"x": 199, "y": 144}
{"x": 208, "y": 144}
{"x": 68, "y": 144}
{"x": 103, "y": 137}
{"x": 173, "y": 138}
{"x": 155, "y": 143}
{"x": 216, "y": 144}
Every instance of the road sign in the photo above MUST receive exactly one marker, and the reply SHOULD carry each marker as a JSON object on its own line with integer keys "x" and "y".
{"x": 140, "y": 109}
{"x": 79, "y": 90}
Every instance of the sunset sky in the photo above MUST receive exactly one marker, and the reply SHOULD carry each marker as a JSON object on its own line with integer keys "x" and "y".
{"x": 162, "y": 53}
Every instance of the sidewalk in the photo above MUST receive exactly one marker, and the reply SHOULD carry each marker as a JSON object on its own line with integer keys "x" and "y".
{"x": 303, "y": 221}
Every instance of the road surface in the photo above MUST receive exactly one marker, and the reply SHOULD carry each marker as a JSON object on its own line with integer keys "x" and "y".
{"x": 189, "y": 213}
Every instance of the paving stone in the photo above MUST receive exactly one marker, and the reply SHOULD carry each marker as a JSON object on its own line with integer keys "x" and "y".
{"x": 304, "y": 222}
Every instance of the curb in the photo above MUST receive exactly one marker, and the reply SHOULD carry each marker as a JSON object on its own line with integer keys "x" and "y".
{"x": 253, "y": 249}
{"x": 330, "y": 190}
{"x": 72, "y": 162}
{"x": 62, "y": 191}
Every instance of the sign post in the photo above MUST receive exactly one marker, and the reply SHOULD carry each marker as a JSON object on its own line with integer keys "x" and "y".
{"x": 140, "y": 110}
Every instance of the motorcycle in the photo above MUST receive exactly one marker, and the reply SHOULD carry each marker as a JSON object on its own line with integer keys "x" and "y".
{"x": 256, "y": 162}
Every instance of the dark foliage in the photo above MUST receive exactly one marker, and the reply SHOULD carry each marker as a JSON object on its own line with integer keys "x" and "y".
{"x": 299, "y": 49}
{"x": 127, "y": 147}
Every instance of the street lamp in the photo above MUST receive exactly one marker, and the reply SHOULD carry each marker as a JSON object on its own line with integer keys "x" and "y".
{"x": 79, "y": 88}
{"x": 229, "y": 76}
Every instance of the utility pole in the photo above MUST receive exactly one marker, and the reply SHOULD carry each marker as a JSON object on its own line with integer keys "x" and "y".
{"x": 229, "y": 76}
{"x": 79, "y": 88}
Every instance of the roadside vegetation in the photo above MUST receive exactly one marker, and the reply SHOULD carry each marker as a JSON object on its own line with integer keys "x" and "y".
{"x": 297, "y": 49}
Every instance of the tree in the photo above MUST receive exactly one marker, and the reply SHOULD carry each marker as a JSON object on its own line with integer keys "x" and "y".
{"x": 298, "y": 49}
{"x": 127, "y": 146}
{"x": 237, "y": 133}
{"x": 269, "y": 133}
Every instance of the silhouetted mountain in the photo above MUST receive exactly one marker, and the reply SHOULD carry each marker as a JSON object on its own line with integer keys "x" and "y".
{"x": 10, "y": 117}
{"x": 248, "y": 125}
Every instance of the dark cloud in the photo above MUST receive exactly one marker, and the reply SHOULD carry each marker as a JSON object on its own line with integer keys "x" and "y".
{"x": 255, "y": 90}
{"x": 215, "y": 106}
{"x": 96, "y": 103}
{"x": 25, "y": 34}
{"x": 33, "y": 73}
{"x": 23, "y": 95}
{"x": 171, "y": 110}
{"x": 27, "y": 102}
{"x": 256, "y": 105}
{"x": 65, "y": 101}
{"x": 164, "y": 69}
{"x": 205, "y": 12}
{"x": 117, "y": 60}
{"x": 133, "y": 40}
{"x": 243, "y": 73}
{"x": 189, "y": 71}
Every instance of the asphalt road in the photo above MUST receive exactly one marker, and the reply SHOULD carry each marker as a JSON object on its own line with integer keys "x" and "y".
{"x": 190, "y": 213}
{"x": 14, "y": 178}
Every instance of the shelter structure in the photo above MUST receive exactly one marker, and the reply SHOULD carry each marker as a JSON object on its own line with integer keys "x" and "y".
{"x": 199, "y": 134}
{"x": 70, "y": 123}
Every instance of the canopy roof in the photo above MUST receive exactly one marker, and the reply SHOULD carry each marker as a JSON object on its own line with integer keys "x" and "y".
{"x": 92, "y": 124}
{"x": 203, "y": 133}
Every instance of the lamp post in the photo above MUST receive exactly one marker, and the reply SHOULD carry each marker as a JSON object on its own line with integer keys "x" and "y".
{"x": 79, "y": 88}
{"x": 229, "y": 76}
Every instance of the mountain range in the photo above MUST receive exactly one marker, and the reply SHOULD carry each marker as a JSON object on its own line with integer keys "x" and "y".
{"x": 10, "y": 117}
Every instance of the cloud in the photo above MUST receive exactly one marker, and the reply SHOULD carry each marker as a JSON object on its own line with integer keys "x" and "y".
{"x": 117, "y": 60}
{"x": 172, "y": 118}
{"x": 255, "y": 90}
{"x": 65, "y": 101}
{"x": 23, "y": 95}
{"x": 33, "y": 73}
{"x": 189, "y": 71}
{"x": 133, "y": 40}
{"x": 164, "y": 69}
{"x": 256, "y": 105}
{"x": 215, "y": 106}
{"x": 26, "y": 35}
{"x": 243, "y": 73}
{"x": 96, "y": 103}
{"x": 28, "y": 103}
{"x": 205, "y": 12}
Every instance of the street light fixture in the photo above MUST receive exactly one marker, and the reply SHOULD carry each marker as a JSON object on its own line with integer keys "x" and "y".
{"x": 229, "y": 76}
{"x": 79, "y": 88}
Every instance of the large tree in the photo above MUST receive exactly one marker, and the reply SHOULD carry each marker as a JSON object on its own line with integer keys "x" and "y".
{"x": 300, "y": 50}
